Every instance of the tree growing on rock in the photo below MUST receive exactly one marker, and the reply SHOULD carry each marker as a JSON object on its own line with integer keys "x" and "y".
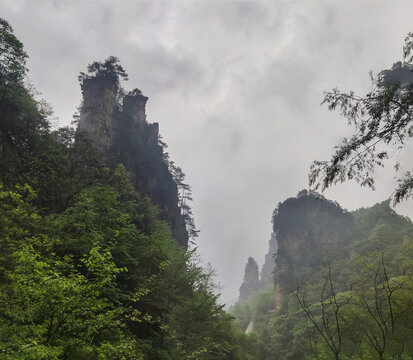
{"x": 109, "y": 68}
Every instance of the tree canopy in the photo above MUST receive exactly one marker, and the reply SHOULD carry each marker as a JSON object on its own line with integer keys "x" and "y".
{"x": 12, "y": 55}
{"x": 109, "y": 68}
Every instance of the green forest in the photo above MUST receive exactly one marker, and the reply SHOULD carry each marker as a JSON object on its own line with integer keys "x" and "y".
{"x": 88, "y": 269}
{"x": 98, "y": 256}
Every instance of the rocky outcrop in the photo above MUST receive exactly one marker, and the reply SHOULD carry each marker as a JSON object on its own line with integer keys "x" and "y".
{"x": 134, "y": 108}
{"x": 118, "y": 128}
{"x": 251, "y": 280}
{"x": 310, "y": 230}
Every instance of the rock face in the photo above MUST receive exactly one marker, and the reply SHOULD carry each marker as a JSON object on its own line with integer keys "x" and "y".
{"x": 267, "y": 270}
{"x": 98, "y": 111}
{"x": 310, "y": 230}
{"x": 251, "y": 280}
{"x": 134, "y": 108}
{"x": 119, "y": 130}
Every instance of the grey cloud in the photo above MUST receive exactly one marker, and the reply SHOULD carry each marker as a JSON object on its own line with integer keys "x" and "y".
{"x": 164, "y": 70}
{"x": 236, "y": 88}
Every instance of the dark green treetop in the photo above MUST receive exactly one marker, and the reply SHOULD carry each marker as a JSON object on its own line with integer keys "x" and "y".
{"x": 109, "y": 68}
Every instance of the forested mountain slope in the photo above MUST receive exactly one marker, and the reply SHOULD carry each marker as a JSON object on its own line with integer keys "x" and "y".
{"x": 92, "y": 262}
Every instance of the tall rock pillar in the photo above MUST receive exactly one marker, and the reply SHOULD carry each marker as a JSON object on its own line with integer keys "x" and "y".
{"x": 98, "y": 110}
{"x": 251, "y": 280}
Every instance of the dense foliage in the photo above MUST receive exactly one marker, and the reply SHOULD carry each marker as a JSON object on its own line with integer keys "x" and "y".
{"x": 87, "y": 269}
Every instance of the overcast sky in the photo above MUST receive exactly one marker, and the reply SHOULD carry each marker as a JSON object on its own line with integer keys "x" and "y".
{"x": 236, "y": 88}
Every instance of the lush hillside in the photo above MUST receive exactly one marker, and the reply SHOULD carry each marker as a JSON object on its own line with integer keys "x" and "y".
{"x": 343, "y": 284}
{"x": 90, "y": 267}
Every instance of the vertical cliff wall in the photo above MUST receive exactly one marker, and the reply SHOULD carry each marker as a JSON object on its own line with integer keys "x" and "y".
{"x": 118, "y": 128}
{"x": 310, "y": 230}
{"x": 267, "y": 270}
